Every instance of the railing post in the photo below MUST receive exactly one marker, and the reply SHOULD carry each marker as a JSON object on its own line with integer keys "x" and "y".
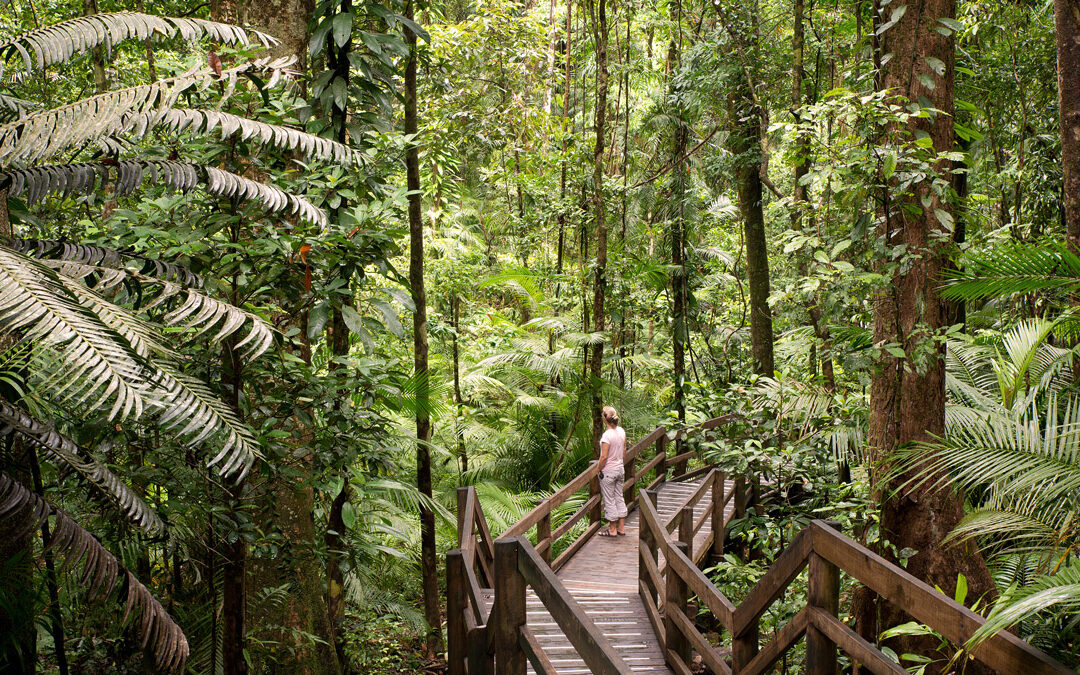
{"x": 508, "y": 615}
{"x": 675, "y": 601}
{"x": 462, "y": 497}
{"x": 686, "y": 530}
{"x": 824, "y": 593}
{"x": 661, "y": 449}
{"x": 739, "y": 502}
{"x": 480, "y": 659}
{"x": 456, "y": 606}
{"x": 594, "y": 490}
{"x": 543, "y": 531}
{"x": 628, "y": 474}
{"x": 647, "y": 542}
{"x": 718, "y": 529}
{"x": 744, "y": 647}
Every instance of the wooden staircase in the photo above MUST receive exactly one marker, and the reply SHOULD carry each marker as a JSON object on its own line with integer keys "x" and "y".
{"x": 621, "y": 605}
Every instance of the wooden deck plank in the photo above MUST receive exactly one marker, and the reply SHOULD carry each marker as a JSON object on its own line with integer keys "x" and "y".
{"x": 602, "y": 577}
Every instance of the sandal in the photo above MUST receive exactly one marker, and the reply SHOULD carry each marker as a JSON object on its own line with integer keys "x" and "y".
{"x": 622, "y": 534}
{"x": 605, "y": 533}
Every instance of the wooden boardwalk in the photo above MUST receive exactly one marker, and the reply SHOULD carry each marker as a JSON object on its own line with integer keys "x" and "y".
{"x": 603, "y": 578}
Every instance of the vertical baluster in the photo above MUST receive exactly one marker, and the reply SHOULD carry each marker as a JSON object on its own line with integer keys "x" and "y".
{"x": 462, "y": 498}
{"x": 647, "y": 546}
{"x": 508, "y": 615}
{"x": 628, "y": 475}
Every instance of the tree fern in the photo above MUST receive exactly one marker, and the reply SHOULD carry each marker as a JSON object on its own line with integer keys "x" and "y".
{"x": 1014, "y": 268}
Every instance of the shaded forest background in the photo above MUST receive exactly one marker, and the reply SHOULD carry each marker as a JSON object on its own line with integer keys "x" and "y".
{"x": 261, "y": 319}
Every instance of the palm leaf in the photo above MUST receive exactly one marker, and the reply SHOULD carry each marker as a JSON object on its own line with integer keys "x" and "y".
{"x": 61, "y": 448}
{"x": 51, "y": 249}
{"x": 37, "y": 307}
{"x": 40, "y": 181}
{"x": 1060, "y": 590}
{"x": 22, "y": 512}
{"x": 58, "y": 42}
{"x": 1013, "y": 268}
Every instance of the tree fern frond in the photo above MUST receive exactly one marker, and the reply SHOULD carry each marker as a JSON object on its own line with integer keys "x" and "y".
{"x": 22, "y": 511}
{"x": 38, "y": 182}
{"x": 12, "y": 107}
{"x": 60, "y": 447}
{"x": 58, "y": 42}
{"x": 37, "y": 306}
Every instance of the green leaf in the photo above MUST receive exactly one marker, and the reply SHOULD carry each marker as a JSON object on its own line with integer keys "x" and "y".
{"x": 342, "y": 27}
{"x": 353, "y": 320}
{"x": 348, "y": 515}
{"x": 890, "y": 165}
{"x": 390, "y": 317}
{"x": 936, "y": 65}
{"x": 961, "y": 588}
{"x": 927, "y": 81}
{"x": 945, "y": 218}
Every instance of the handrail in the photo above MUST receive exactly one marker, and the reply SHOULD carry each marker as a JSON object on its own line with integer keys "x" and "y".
{"x": 827, "y": 552}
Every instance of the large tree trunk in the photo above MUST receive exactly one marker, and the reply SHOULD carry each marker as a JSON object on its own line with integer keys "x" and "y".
{"x": 596, "y": 362}
{"x": 428, "y": 561}
{"x": 907, "y": 396}
{"x": 1067, "y": 23}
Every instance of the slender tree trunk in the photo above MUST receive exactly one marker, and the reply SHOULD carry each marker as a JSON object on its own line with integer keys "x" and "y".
{"x": 907, "y": 397}
{"x": 234, "y": 564}
{"x": 746, "y": 135}
{"x": 600, "y": 279}
{"x": 1067, "y": 24}
{"x": 455, "y": 315}
{"x": 680, "y": 332}
{"x": 428, "y": 560}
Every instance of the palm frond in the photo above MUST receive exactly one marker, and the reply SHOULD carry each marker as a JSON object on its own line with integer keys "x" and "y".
{"x": 1013, "y": 268}
{"x": 124, "y": 177}
{"x": 197, "y": 413}
{"x": 1060, "y": 590}
{"x": 58, "y": 42}
{"x": 284, "y": 138}
{"x": 61, "y": 448}
{"x": 102, "y": 257}
{"x": 133, "y": 111}
{"x": 207, "y": 314}
{"x": 22, "y": 512}
{"x": 37, "y": 307}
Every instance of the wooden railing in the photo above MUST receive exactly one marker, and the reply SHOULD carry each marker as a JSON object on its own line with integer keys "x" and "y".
{"x": 665, "y": 590}
{"x": 475, "y": 634}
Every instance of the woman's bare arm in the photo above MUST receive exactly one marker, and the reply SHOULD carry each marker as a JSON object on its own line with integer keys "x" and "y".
{"x": 603, "y": 453}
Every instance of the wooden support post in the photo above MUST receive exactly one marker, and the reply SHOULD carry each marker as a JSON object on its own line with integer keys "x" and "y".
{"x": 628, "y": 474}
{"x": 824, "y": 593}
{"x": 744, "y": 647}
{"x": 456, "y": 606}
{"x": 740, "y": 497}
{"x": 594, "y": 490}
{"x": 686, "y": 529}
{"x": 675, "y": 601}
{"x": 480, "y": 659}
{"x": 508, "y": 615}
{"x": 543, "y": 531}
{"x": 661, "y": 449}
{"x": 718, "y": 529}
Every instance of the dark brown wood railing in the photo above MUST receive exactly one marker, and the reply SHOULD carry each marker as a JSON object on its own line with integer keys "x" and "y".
{"x": 666, "y": 589}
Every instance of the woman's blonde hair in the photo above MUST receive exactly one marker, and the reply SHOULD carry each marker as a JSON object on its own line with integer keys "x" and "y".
{"x": 610, "y": 415}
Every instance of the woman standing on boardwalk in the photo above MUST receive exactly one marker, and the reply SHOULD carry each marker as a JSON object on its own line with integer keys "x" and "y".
{"x": 612, "y": 473}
